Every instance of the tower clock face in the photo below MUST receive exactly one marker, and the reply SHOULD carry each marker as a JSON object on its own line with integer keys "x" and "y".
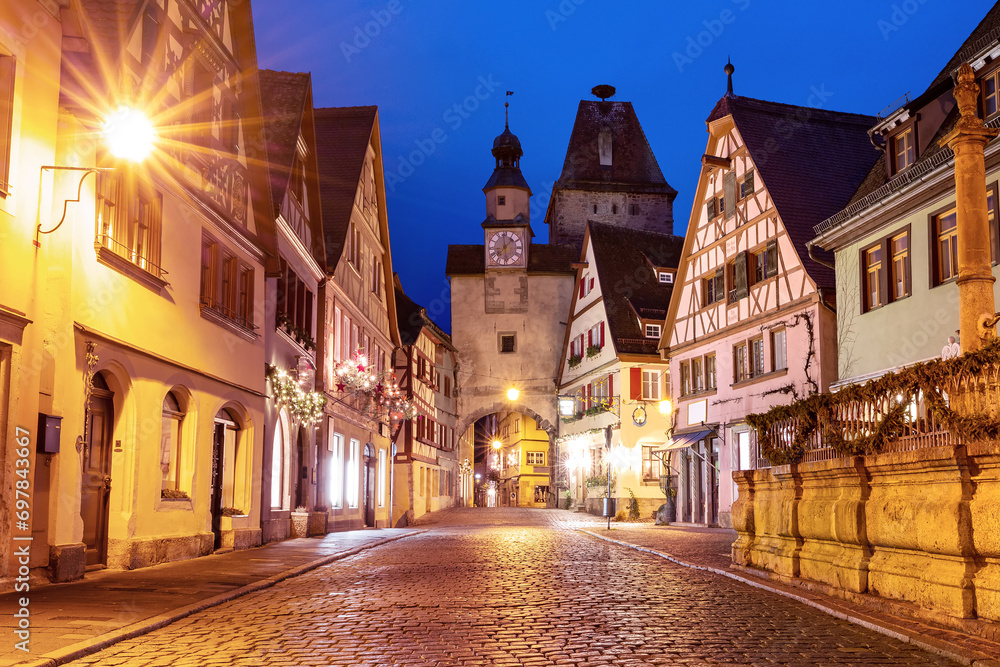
{"x": 505, "y": 248}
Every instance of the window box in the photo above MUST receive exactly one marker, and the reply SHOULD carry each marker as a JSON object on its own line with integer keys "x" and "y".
{"x": 574, "y": 361}
{"x": 593, "y": 351}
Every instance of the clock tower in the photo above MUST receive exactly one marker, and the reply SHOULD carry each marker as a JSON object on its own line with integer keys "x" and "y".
{"x": 507, "y": 227}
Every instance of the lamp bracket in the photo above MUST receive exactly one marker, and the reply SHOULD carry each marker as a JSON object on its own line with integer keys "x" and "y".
{"x": 79, "y": 191}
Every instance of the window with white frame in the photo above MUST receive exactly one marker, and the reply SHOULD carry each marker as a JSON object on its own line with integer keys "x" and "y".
{"x": 279, "y": 468}
{"x": 650, "y": 385}
{"x": 652, "y": 331}
{"x": 381, "y": 478}
{"x": 336, "y": 470}
{"x": 353, "y": 473}
{"x": 779, "y": 356}
{"x": 666, "y": 277}
{"x": 170, "y": 451}
{"x": 536, "y": 458}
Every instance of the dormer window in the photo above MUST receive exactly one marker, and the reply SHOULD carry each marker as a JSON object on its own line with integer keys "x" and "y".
{"x": 903, "y": 150}
{"x": 501, "y": 200}
{"x": 652, "y": 331}
{"x": 666, "y": 277}
{"x": 991, "y": 94}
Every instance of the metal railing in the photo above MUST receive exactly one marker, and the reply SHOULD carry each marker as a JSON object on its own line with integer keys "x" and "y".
{"x": 130, "y": 255}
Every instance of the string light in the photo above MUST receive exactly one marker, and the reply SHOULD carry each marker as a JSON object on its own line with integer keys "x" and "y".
{"x": 377, "y": 392}
{"x": 305, "y": 407}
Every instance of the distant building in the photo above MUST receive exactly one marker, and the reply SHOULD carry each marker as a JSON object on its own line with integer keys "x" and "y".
{"x": 358, "y": 314}
{"x": 751, "y": 322}
{"x": 426, "y": 467}
{"x": 611, "y": 369}
{"x": 896, "y": 239}
{"x": 609, "y": 175}
{"x": 522, "y": 461}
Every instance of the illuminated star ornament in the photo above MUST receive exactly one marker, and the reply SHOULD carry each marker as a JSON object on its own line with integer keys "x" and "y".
{"x": 377, "y": 394}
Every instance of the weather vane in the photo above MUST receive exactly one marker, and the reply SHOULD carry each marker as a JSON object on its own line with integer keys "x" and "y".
{"x": 506, "y": 114}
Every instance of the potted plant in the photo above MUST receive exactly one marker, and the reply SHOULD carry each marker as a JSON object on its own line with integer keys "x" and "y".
{"x": 233, "y": 518}
{"x": 317, "y": 520}
{"x": 593, "y": 351}
{"x": 575, "y": 360}
{"x": 300, "y": 522}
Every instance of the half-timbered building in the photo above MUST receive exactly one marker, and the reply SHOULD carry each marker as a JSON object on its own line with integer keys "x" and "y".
{"x": 426, "y": 475}
{"x": 290, "y": 322}
{"x": 751, "y": 322}
{"x": 358, "y": 313}
{"x": 611, "y": 373}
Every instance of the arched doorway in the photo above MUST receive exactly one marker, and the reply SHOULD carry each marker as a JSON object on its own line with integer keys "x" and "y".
{"x": 369, "y": 477}
{"x": 225, "y": 455}
{"x": 95, "y": 482}
{"x": 302, "y": 468}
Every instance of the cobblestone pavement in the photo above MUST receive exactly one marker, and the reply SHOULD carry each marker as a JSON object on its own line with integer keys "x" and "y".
{"x": 509, "y": 587}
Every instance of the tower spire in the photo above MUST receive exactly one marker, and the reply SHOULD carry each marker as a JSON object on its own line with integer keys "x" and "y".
{"x": 506, "y": 111}
{"x": 729, "y": 69}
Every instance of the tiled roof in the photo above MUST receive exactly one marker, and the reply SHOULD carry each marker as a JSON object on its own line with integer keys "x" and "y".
{"x": 342, "y": 137}
{"x": 625, "y": 260}
{"x": 466, "y": 260}
{"x": 987, "y": 32}
{"x": 413, "y": 318}
{"x": 632, "y": 160}
{"x": 810, "y": 160}
{"x": 283, "y": 97}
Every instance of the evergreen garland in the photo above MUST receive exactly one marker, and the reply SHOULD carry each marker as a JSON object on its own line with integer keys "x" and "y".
{"x": 939, "y": 381}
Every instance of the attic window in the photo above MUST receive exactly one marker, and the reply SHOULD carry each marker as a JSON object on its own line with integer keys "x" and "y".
{"x": 903, "y": 150}
{"x": 652, "y": 331}
{"x": 501, "y": 200}
{"x": 666, "y": 277}
{"x": 991, "y": 94}
{"x": 604, "y": 146}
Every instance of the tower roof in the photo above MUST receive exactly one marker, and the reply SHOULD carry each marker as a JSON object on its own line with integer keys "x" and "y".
{"x": 507, "y": 173}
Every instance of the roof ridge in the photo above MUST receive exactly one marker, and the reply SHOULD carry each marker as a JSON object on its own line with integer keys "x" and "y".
{"x": 829, "y": 112}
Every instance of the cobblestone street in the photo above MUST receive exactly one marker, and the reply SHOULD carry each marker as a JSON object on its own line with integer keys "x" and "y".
{"x": 510, "y": 587}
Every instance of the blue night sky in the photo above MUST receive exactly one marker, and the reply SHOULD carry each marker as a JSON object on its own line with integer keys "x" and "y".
{"x": 665, "y": 56}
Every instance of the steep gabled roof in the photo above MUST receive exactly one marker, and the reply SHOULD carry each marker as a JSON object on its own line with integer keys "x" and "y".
{"x": 283, "y": 97}
{"x": 470, "y": 260}
{"x": 413, "y": 319}
{"x": 810, "y": 160}
{"x": 987, "y": 32}
{"x": 626, "y": 260}
{"x": 342, "y": 138}
{"x": 632, "y": 160}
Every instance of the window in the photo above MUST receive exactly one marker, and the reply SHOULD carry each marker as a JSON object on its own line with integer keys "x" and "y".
{"x": 376, "y": 277}
{"x": 715, "y": 207}
{"x": 651, "y": 465}
{"x": 279, "y": 466}
{"x": 650, "y": 385}
{"x": 614, "y": 209}
{"x": 747, "y": 185}
{"x": 508, "y": 343}
{"x": 685, "y": 378}
{"x": 633, "y": 209}
{"x": 226, "y": 284}
{"x": 353, "y": 472}
{"x": 202, "y": 102}
{"x": 501, "y": 200}
{"x": 740, "y": 370}
{"x": 945, "y": 234}
{"x": 586, "y": 285}
{"x": 779, "y": 358}
{"x": 710, "y": 382}
{"x": 990, "y": 94}
{"x": 8, "y": 66}
{"x": 336, "y": 470}
{"x": 170, "y": 444}
{"x": 764, "y": 263}
{"x": 381, "y": 478}
{"x": 903, "y": 150}
{"x": 756, "y": 357}
{"x": 595, "y": 208}
{"x": 447, "y": 386}
{"x": 713, "y": 288}
{"x": 536, "y": 458}
{"x": 652, "y": 331}
{"x": 873, "y": 277}
{"x": 128, "y": 220}
{"x": 738, "y": 283}
{"x": 666, "y": 277}
{"x": 900, "y": 269}
{"x": 696, "y": 379}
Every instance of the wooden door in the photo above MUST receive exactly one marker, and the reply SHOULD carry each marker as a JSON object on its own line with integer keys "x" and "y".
{"x": 215, "y": 502}
{"x": 95, "y": 480}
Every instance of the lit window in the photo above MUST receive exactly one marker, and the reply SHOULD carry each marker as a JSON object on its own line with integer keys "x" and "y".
{"x": 946, "y": 247}
{"x": 336, "y": 470}
{"x": 279, "y": 468}
{"x": 756, "y": 357}
{"x": 900, "y": 273}
{"x": 740, "y": 370}
{"x": 666, "y": 277}
{"x": 170, "y": 451}
{"x": 128, "y": 221}
{"x": 873, "y": 277}
{"x": 650, "y": 385}
{"x": 902, "y": 149}
{"x": 536, "y": 458}
{"x": 353, "y": 472}
{"x": 381, "y": 478}
{"x": 990, "y": 94}
{"x": 779, "y": 354}
{"x": 710, "y": 382}
{"x": 650, "y": 464}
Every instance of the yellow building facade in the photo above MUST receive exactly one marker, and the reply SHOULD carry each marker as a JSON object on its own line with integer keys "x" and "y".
{"x": 521, "y": 460}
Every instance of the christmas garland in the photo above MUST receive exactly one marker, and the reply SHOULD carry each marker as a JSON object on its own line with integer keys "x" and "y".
{"x": 305, "y": 407}
{"x": 938, "y": 381}
{"x": 376, "y": 394}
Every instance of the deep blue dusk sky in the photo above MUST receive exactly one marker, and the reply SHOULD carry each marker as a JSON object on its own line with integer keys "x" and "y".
{"x": 665, "y": 56}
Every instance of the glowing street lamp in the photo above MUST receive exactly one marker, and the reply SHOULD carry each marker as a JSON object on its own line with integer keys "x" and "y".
{"x": 497, "y": 444}
{"x": 665, "y": 406}
{"x": 512, "y": 394}
{"x": 129, "y": 134}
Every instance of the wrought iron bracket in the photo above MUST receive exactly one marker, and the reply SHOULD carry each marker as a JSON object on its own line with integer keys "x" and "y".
{"x": 79, "y": 191}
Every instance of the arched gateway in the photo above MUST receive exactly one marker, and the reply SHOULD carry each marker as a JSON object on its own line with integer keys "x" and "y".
{"x": 509, "y": 298}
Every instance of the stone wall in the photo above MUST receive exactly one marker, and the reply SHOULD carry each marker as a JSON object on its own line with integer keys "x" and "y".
{"x": 571, "y": 209}
{"x": 921, "y": 527}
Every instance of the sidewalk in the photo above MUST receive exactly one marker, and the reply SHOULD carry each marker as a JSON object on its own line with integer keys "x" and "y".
{"x": 709, "y": 549}
{"x": 77, "y": 618}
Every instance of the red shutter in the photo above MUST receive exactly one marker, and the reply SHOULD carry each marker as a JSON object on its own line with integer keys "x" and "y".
{"x": 581, "y": 287}
{"x": 602, "y": 334}
{"x": 588, "y": 390}
{"x": 591, "y": 283}
{"x": 611, "y": 386}
{"x": 635, "y": 383}
{"x": 590, "y": 337}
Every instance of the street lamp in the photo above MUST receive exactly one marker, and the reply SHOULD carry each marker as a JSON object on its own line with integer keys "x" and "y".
{"x": 512, "y": 394}
{"x": 497, "y": 444}
{"x": 567, "y": 406}
{"x": 665, "y": 406}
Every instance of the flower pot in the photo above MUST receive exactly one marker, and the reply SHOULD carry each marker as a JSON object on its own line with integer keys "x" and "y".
{"x": 317, "y": 523}
{"x": 300, "y": 524}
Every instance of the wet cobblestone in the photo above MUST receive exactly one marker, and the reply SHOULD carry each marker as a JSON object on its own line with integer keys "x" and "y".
{"x": 510, "y": 587}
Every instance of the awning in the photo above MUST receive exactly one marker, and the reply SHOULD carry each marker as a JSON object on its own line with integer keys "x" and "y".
{"x": 683, "y": 440}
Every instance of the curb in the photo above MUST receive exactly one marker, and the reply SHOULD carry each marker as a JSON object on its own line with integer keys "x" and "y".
{"x": 944, "y": 650}
{"x": 145, "y": 626}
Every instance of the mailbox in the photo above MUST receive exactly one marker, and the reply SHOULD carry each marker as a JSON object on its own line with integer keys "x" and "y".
{"x": 49, "y": 428}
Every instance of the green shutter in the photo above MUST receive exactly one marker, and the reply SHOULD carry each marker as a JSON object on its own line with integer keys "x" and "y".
{"x": 772, "y": 258}
{"x": 729, "y": 190}
{"x": 740, "y": 276}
